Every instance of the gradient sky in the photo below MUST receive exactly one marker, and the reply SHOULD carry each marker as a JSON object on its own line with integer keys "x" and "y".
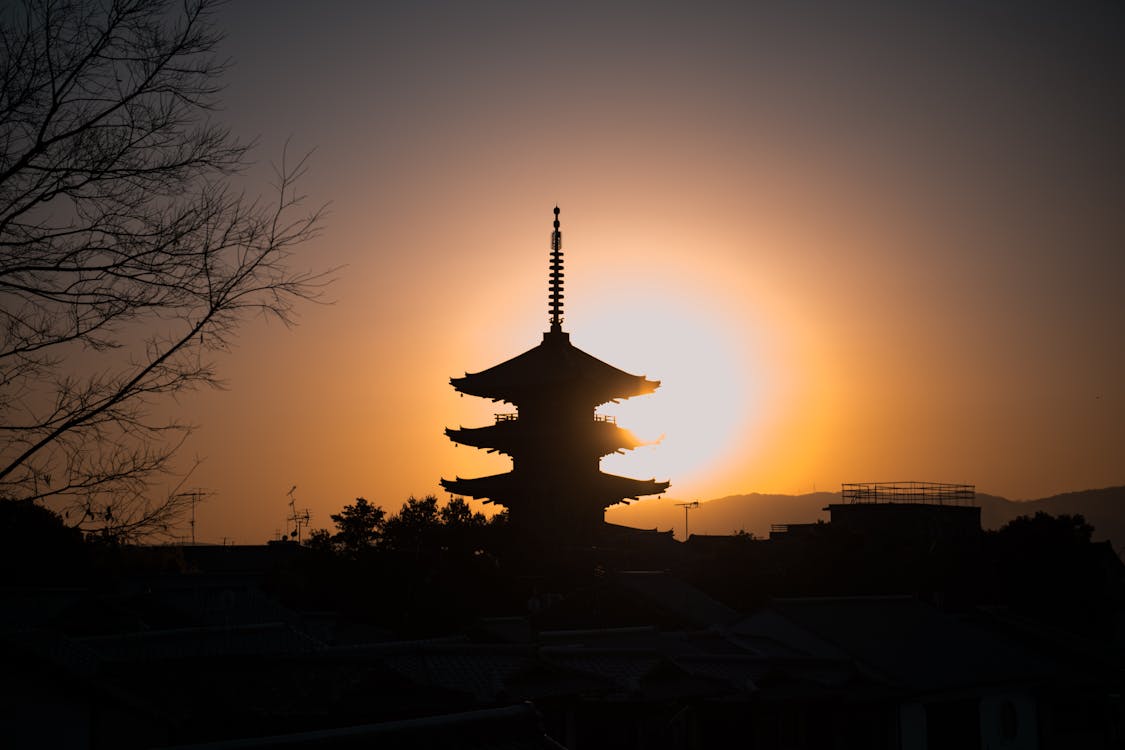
{"x": 856, "y": 241}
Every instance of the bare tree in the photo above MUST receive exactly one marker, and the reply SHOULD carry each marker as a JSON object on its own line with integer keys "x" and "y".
{"x": 126, "y": 255}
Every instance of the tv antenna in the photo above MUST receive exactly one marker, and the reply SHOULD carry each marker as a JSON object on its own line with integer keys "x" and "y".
{"x": 298, "y": 518}
{"x": 196, "y": 494}
{"x": 687, "y": 506}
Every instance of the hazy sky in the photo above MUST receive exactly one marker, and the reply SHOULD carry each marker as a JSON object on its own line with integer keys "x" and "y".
{"x": 856, "y": 241}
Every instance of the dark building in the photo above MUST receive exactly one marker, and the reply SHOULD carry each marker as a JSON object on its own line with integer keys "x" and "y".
{"x": 555, "y": 438}
{"x": 926, "y": 512}
{"x": 903, "y": 512}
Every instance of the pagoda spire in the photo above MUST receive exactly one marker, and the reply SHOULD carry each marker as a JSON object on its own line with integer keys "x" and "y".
{"x": 555, "y": 285}
{"x": 556, "y": 439}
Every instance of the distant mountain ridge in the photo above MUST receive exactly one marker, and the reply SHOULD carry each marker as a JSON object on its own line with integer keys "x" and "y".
{"x": 1103, "y": 508}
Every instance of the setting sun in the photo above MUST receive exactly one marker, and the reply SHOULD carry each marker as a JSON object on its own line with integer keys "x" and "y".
{"x": 315, "y": 430}
{"x": 838, "y": 269}
{"x": 710, "y": 394}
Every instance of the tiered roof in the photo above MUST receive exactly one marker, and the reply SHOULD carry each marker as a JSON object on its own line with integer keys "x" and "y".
{"x": 554, "y": 365}
{"x": 508, "y": 435}
{"x": 606, "y": 489}
{"x": 557, "y": 439}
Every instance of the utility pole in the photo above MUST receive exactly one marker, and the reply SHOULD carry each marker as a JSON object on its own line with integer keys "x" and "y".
{"x": 687, "y": 506}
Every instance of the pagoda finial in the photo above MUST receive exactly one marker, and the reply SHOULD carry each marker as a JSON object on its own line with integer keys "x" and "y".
{"x": 555, "y": 286}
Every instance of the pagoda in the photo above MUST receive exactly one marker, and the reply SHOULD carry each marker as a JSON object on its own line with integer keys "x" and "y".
{"x": 555, "y": 438}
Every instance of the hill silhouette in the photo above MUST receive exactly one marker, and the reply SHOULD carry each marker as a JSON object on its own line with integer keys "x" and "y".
{"x": 755, "y": 513}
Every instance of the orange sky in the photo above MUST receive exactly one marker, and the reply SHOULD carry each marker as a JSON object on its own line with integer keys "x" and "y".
{"x": 868, "y": 244}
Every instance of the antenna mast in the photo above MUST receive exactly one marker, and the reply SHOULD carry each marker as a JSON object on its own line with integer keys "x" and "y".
{"x": 556, "y": 278}
{"x": 196, "y": 494}
{"x": 687, "y": 506}
{"x": 297, "y": 518}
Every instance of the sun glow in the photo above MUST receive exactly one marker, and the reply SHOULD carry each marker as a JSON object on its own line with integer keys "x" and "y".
{"x": 731, "y": 356}
{"x": 700, "y": 417}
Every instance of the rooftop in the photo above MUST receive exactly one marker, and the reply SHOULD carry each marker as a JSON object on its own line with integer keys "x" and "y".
{"x": 554, "y": 365}
{"x": 923, "y": 493}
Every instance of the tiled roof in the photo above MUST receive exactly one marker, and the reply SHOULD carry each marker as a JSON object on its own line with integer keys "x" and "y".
{"x": 670, "y": 593}
{"x": 479, "y": 671}
{"x": 192, "y": 643}
{"x": 507, "y": 728}
{"x": 899, "y": 640}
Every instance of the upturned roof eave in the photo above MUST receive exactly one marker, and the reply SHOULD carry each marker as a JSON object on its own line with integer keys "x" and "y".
{"x": 552, "y": 364}
{"x": 496, "y": 486}
{"x": 515, "y": 393}
{"x": 507, "y": 437}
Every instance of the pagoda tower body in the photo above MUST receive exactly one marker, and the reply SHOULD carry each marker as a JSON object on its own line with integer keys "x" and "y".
{"x": 555, "y": 438}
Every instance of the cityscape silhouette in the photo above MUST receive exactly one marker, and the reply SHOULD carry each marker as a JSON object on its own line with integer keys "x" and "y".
{"x": 871, "y": 251}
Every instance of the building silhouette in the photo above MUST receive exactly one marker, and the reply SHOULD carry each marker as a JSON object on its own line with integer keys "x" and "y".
{"x": 555, "y": 438}
{"x": 914, "y": 512}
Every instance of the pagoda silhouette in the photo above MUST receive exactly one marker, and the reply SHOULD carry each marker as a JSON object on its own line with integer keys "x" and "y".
{"x": 555, "y": 438}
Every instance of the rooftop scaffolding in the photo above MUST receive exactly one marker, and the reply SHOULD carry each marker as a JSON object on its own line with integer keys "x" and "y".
{"x": 921, "y": 493}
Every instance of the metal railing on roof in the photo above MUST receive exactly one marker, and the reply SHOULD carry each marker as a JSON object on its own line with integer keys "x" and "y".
{"x": 514, "y": 416}
{"x": 925, "y": 493}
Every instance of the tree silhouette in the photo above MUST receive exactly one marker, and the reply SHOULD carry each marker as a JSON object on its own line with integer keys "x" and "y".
{"x": 126, "y": 254}
{"x": 358, "y": 526}
{"x": 37, "y": 546}
{"x": 1049, "y": 567}
{"x": 320, "y": 539}
{"x": 415, "y": 526}
{"x": 457, "y": 514}
{"x": 1044, "y": 529}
